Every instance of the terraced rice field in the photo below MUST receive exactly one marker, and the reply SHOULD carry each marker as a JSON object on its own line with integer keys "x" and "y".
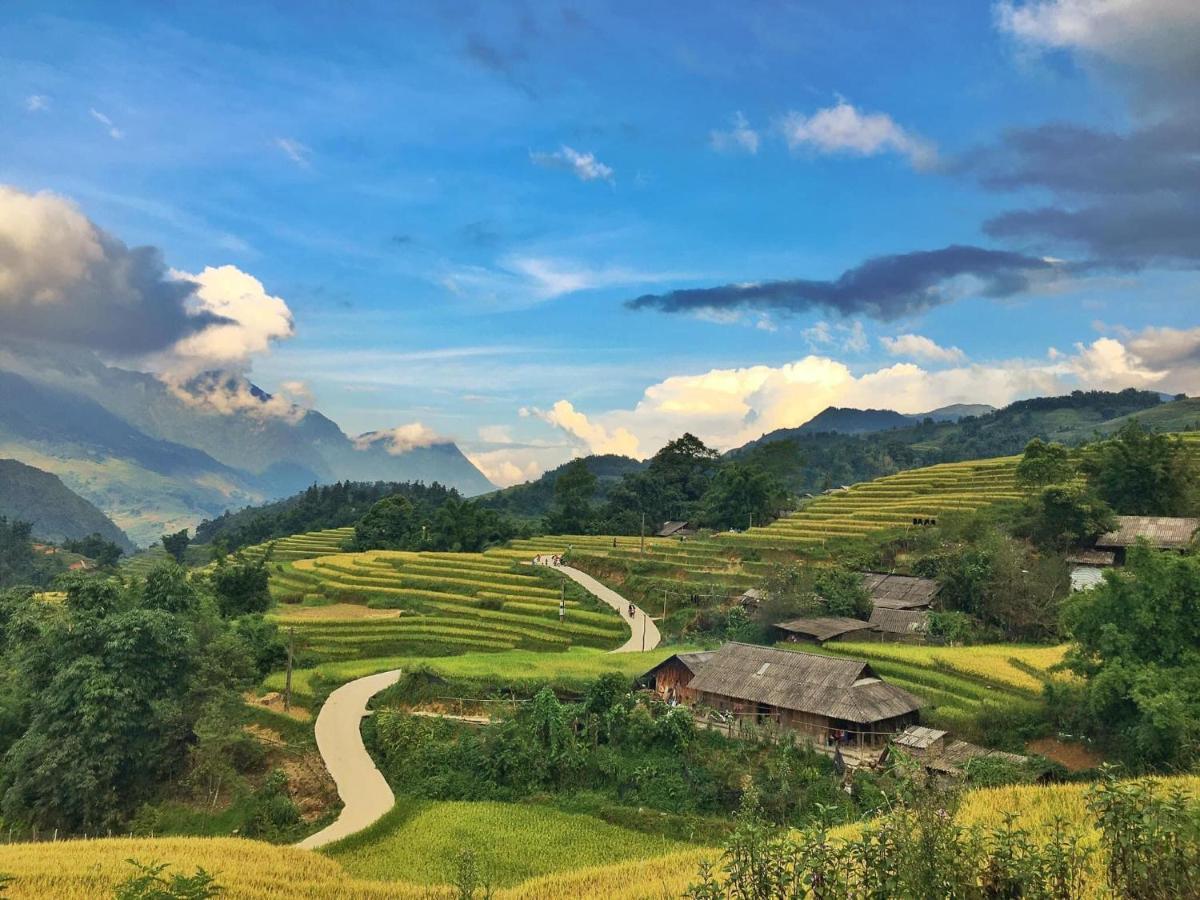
{"x": 444, "y": 602}
{"x": 957, "y": 681}
{"x": 304, "y": 546}
{"x": 889, "y": 502}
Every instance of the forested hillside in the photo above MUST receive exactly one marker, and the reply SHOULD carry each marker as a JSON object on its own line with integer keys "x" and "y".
{"x": 55, "y": 513}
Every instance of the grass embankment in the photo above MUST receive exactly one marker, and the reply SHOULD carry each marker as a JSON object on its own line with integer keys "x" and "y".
{"x": 81, "y": 870}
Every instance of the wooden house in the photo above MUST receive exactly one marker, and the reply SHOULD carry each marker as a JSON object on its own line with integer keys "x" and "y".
{"x": 823, "y": 698}
{"x": 676, "y": 529}
{"x": 1160, "y": 532}
{"x": 900, "y": 625}
{"x": 671, "y": 677}
{"x": 899, "y": 591}
{"x": 941, "y": 755}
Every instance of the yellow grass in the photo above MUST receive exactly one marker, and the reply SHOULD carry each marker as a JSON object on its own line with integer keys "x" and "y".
{"x": 987, "y": 662}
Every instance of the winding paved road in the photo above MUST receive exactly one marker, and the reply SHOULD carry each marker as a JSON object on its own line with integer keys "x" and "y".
{"x": 644, "y": 635}
{"x": 364, "y": 791}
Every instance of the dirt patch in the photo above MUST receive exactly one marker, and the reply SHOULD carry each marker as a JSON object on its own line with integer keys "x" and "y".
{"x": 268, "y": 736}
{"x": 336, "y": 611}
{"x": 1073, "y": 756}
{"x": 309, "y": 784}
{"x": 274, "y": 702}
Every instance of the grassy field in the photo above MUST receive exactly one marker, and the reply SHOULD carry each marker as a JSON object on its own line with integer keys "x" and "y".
{"x": 572, "y": 669}
{"x": 440, "y": 603}
{"x": 420, "y": 841}
{"x": 81, "y": 870}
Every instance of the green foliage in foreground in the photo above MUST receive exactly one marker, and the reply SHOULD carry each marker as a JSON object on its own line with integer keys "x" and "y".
{"x": 150, "y": 883}
{"x": 510, "y": 842}
{"x": 1150, "y": 844}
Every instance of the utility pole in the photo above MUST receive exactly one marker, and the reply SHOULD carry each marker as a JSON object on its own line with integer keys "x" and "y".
{"x": 664, "y": 618}
{"x": 644, "y": 618}
{"x": 562, "y": 602}
{"x": 643, "y": 534}
{"x": 287, "y": 688}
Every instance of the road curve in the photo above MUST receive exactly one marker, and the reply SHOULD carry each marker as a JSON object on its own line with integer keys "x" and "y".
{"x": 644, "y": 634}
{"x": 364, "y": 791}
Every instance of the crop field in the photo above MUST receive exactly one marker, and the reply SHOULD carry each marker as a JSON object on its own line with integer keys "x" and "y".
{"x": 84, "y": 869}
{"x": 957, "y": 681}
{"x": 889, "y": 502}
{"x": 418, "y": 842}
{"x": 450, "y": 601}
{"x": 303, "y": 546}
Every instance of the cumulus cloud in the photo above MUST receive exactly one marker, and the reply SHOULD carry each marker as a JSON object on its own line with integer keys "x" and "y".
{"x": 583, "y": 166}
{"x": 231, "y": 393}
{"x": 916, "y": 346}
{"x": 250, "y": 320}
{"x": 400, "y": 439}
{"x": 739, "y": 138}
{"x": 63, "y": 279}
{"x": 596, "y": 438}
{"x": 884, "y": 287}
{"x": 844, "y": 129}
{"x": 728, "y": 407}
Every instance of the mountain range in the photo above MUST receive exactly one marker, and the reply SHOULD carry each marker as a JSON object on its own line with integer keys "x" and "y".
{"x": 156, "y": 456}
{"x": 56, "y": 513}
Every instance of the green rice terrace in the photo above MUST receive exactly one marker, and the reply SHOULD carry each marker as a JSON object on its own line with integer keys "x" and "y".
{"x": 380, "y": 603}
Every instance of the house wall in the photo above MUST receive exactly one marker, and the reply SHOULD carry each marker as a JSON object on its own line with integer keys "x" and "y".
{"x": 671, "y": 680}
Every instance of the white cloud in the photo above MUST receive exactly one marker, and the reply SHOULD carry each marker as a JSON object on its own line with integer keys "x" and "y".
{"x": 728, "y": 407}
{"x": 401, "y": 439}
{"x": 596, "y": 438}
{"x": 918, "y": 346}
{"x": 231, "y": 393}
{"x": 850, "y": 338}
{"x": 584, "y": 166}
{"x": 113, "y": 131}
{"x": 1142, "y": 33}
{"x": 844, "y": 129}
{"x": 739, "y": 138}
{"x": 295, "y": 151}
{"x": 254, "y": 320}
{"x": 495, "y": 434}
{"x": 37, "y": 103}
{"x": 520, "y": 280}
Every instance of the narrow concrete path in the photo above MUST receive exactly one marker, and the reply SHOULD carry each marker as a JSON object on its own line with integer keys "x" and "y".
{"x": 644, "y": 634}
{"x": 364, "y": 791}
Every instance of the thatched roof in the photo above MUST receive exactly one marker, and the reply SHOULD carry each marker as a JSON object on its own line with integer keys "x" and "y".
{"x": 1162, "y": 532}
{"x": 900, "y": 621}
{"x": 899, "y": 591}
{"x": 1092, "y": 557}
{"x": 830, "y": 686}
{"x": 823, "y": 627}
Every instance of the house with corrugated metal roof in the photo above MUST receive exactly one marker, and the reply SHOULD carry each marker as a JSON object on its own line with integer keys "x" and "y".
{"x": 825, "y": 698}
{"x": 890, "y": 591}
{"x": 1160, "y": 532}
{"x": 819, "y": 629}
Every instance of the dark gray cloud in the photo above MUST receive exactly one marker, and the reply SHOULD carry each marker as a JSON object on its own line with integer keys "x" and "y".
{"x": 1126, "y": 200}
{"x": 63, "y": 279}
{"x": 885, "y": 287}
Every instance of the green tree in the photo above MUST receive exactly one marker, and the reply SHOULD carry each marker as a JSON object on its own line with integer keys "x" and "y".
{"x": 842, "y": 593}
{"x": 1043, "y": 464}
{"x": 1140, "y": 473}
{"x": 176, "y": 544}
{"x": 242, "y": 586}
{"x": 738, "y": 495}
{"x": 95, "y": 547}
{"x": 1136, "y": 644}
{"x": 18, "y": 562}
{"x": 391, "y": 524}
{"x": 573, "y": 491}
{"x": 1066, "y": 515}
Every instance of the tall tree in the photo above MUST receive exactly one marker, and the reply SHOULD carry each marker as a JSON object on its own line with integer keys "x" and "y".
{"x": 740, "y": 495}
{"x": 1044, "y": 464}
{"x": 1140, "y": 473}
{"x": 573, "y": 491}
{"x": 176, "y": 544}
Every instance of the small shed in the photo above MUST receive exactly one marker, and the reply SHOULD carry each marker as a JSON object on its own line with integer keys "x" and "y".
{"x": 899, "y": 591}
{"x": 938, "y": 753}
{"x": 921, "y": 741}
{"x": 676, "y": 529}
{"x": 751, "y": 598}
{"x": 819, "y": 629}
{"x": 1160, "y": 532}
{"x": 671, "y": 677}
{"x": 823, "y": 697}
{"x": 900, "y": 624}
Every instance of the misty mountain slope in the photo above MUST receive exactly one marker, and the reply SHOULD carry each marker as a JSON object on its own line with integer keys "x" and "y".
{"x": 55, "y": 512}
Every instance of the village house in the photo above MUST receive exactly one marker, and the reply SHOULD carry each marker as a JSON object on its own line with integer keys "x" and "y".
{"x": 1087, "y": 567}
{"x": 823, "y": 698}
{"x": 1160, "y": 532}
{"x": 819, "y": 629}
{"x": 899, "y": 591}
{"x": 676, "y": 530}
{"x": 941, "y": 755}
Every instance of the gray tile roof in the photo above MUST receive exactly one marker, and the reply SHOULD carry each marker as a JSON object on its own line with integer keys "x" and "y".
{"x": 1159, "y": 531}
{"x": 900, "y": 621}
{"x": 823, "y": 627}
{"x": 830, "y": 686}
{"x": 899, "y": 591}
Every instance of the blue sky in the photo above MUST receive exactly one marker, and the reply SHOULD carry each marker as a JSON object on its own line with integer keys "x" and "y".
{"x": 455, "y": 201}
